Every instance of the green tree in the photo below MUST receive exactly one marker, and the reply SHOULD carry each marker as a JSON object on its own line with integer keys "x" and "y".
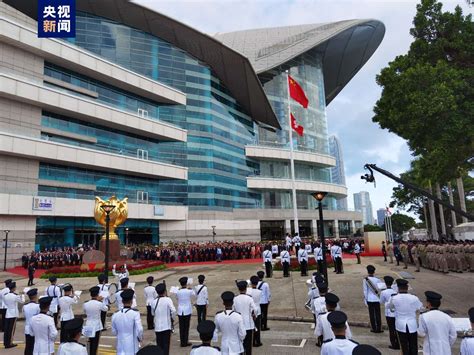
{"x": 372, "y": 228}
{"x": 402, "y": 223}
{"x": 428, "y": 94}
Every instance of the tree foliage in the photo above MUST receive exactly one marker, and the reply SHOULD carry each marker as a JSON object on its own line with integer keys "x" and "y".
{"x": 402, "y": 223}
{"x": 372, "y": 228}
{"x": 428, "y": 93}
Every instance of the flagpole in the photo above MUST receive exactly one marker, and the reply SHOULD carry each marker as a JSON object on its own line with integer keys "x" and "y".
{"x": 292, "y": 162}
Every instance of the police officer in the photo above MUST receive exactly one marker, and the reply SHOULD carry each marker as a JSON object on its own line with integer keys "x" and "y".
{"x": 318, "y": 256}
{"x": 65, "y": 305}
{"x": 467, "y": 343}
{"x": 256, "y": 295}
{"x": 437, "y": 327}
{"x": 244, "y": 304}
{"x": 206, "y": 332}
{"x": 93, "y": 310}
{"x": 371, "y": 299}
{"x": 323, "y": 326}
{"x": 3, "y": 309}
{"x": 303, "y": 260}
{"x": 267, "y": 259}
{"x": 127, "y": 326}
{"x": 184, "y": 297}
{"x": 285, "y": 262}
{"x": 385, "y": 296}
{"x": 357, "y": 251}
{"x": 231, "y": 325}
{"x": 54, "y": 292}
{"x": 337, "y": 253}
{"x": 73, "y": 329}
{"x": 30, "y": 310}
{"x": 123, "y": 273}
{"x": 31, "y": 273}
{"x": 150, "y": 294}
{"x": 104, "y": 294}
{"x": 265, "y": 299}
{"x": 202, "y": 299}
{"x": 11, "y": 301}
{"x": 405, "y": 306}
{"x": 163, "y": 311}
{"x": 43, "y": 328}
{"x": 339, "y": 345}
{"x": 118, "y": 295}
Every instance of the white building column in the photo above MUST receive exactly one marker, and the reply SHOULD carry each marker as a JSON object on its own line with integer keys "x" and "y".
{"x": 353, "y": 226}
{"x": 288, "y": 226}
{"x": 314, "y": 228}
{"x": 336, "y": 228}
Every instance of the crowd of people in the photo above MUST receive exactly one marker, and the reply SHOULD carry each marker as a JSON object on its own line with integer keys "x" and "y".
{"x": 54, "y": 257}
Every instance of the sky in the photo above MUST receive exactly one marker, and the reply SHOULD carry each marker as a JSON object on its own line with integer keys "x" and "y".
{"x": 350, "y": 114}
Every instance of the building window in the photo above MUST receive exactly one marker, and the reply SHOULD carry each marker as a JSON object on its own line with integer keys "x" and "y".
{"x": 142, "y": 197}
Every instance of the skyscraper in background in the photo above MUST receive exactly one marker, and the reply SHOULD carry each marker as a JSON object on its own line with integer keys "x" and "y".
{"x": 381, "y": 216}
{"x": 338, "y": 175}
{"x": 362, "y": 203}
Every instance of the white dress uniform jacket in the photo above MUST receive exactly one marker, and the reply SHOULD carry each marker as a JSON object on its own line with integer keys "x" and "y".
{"x": 357, "y": 248}
{"x": 54, "y": 292}
{"x": 29, "y": 311}
{"x": 245, "y": 305}
{"x": 149, "y": 294}
{"x": 338, "y": 347}
{"x": 302, "y": 255}
{"x": 162, "y": 309}
{"x": 318, "y": 253}
{"x": 285, "y": 256}
{"x": 231, "y": 325}
{"x": 369, "y": 294}
{"x": 439, "y": 332}
{"x": 127, "y": 326}
{"x": 337, "y": 251}
{"x": 405, "y": 306}
{"x": 202, "y": 296}
{"x": 467, "y": 345}
{"x": 118, "y": 300}
{"x": 72, "y": 348}
{"x": 11, "y": 301}
{"x": 288, "y": 241}
{"x": 256, "y": 296}
{"x": 313, "y": 294}
{"x": 184, "y": 297}
{"x": 92, "y": 309}
{"x": 385, "y": 296}
{"x": 296, "y": 240}
{"x": 267, "y": 256}
{"x": 44, "y": 331}
{"x": 323, "y": 327}
{"x": 104, "y": 293}
{"x": 204, "y": 350}
{"x": 120, "y": 275}
{"x": 2, "y": 294}
{"x": 266, "y": 295}
{"x": 274, "y": 249}
{"x": 307, "y": 247}
{"x": 65, "y": 305}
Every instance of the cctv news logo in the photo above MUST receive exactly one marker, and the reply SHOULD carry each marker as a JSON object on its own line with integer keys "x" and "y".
{"x": 57, "y": 18}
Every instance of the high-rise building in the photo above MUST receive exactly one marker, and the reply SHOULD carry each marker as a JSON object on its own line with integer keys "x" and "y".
{"x": 381, "y": 216}
{"x": 193, "y": 129}
{"x": 338, "y": 175}
{"x": 362, "y": 203}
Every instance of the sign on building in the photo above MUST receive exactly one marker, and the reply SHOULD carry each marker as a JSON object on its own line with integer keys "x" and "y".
{"x": 42, "y": 204}
{"x": 159, "y": 211}
{"x": 57, "y": 18}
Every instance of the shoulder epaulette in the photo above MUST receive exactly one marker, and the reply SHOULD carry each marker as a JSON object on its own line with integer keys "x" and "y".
{"x": 219, "y": 312}
{"x": 217, "y": 348}
{"x": 353, "y": 341}
{"x": 235, "y": 312}
{"x": 327, "y": 341}
{"x": 393, "y": 294}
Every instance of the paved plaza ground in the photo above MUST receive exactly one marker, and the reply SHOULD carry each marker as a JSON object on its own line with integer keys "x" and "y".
{"x": 291, "y": 331}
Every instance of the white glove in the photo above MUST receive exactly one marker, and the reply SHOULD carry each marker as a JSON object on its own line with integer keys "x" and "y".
{"x": 114, "y": 266}
{"x": 125, "y": 266}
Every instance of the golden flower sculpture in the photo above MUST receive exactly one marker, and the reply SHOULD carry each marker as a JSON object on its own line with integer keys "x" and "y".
{"x": 118, "y": 215}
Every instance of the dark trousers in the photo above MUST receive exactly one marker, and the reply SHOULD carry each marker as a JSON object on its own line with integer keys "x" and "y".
{"x": 264, "y": 308}
{"x": 392, "y": 332}
{"x": 358, "y": 258}
{"x": 268, "y": 269}
{"x": 149, "y": 318}
{"x": 29, "y": 344}
{"x": 63, "y": 336}
{"x": 8, "y": 331}
{"x": 201, "y": 312}
{"x": 30, "y": 280}
{"x": 408, "y": 342}
{"x": 184, "y": 322}
{"x": 338, "y": 262}
{"x": 248, "y": 342}
{"x": 286, "y": 269}
{"x": 94, "y": 343}
{"x": 163, "y": 340}
{"x": 103, "y": 316}
{"x": 2, "y": 319}
{"x": 384, "y": 255}
{"x": 374, "y": 315}
{"x": 256, "y": 332}
{"x": 55, "y": 317}
{"x": 304, "y": 268}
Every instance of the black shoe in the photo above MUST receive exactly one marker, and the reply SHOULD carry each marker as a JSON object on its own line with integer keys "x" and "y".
{"x": 11, "y": 346}
{"x": 265, "y": 329}
{"x": 257, "y": 345}
{"x": 393, "y": 347}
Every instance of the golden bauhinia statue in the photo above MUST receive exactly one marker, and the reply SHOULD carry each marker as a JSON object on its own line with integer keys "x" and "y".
{"x": 118, "y": 215}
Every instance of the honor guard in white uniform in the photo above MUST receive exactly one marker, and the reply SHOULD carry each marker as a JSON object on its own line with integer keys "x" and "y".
{"x": 303, "y": 261}
{"x": 3, "y": 309}
{"x": 231, "y": 325}
{"x": 127, "y": 326}
{"x": 43, "y": 328}
{"x": 206, "y": 331}
{"x": 184, "y": 298}
{"x": 65, "y": 305}
{"x": 339, "y": 344}
{"x": 323, "y": 326}
{"x": 11, "y": 301}
{"x": 265, "y": 299}
{"x": 30, "y": 309}
{"x": 296, "y": 241}
{"x": 149, "y": 295}
{"x": 288, "y": 241}
{"x": 437, "y": 327}
{"x": 313, "y": 293}
{"x": 104, "y": 294}
{"x": 202, "y": 299}
{"x": 274, "y": 250}
{"x": 245, "y": 305}
{"x": 372, "y": 300}
{"x": 256, "y": 295}
{"x": 357, "y": 252}
{"x": 118, "y": 295}
{"x": 405, "y": 307}
{"x": 123, "y": 273}
{"x": 54, "y": 292}
{"x": 318, "y": 256}
{"x": 93, "y": 310}
{"x": 467, "y": 343}
{"x": 163, "y": 311}
{"x": 385, "y": 296}
{"x": 267, "y": 260}
{"x": 72, "y": 346}
{"x": 285, "y": 262}
{"x": 337, "y": 254}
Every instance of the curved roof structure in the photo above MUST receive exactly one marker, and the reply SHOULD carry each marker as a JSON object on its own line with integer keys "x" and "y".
{"x": 345, "y": 47}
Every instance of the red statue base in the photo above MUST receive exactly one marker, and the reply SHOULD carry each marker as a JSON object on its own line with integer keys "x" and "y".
{"x": 114, "y": 248}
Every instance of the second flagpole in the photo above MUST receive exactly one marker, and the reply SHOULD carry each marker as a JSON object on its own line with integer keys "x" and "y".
{"x": 292, "y": 162}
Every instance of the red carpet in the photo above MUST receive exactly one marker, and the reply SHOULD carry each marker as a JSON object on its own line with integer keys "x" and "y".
{"x": 23, "y": 272}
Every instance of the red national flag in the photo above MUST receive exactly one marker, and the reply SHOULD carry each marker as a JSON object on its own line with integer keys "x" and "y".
{"x": 297, "y": 93}
{"x": 298, "y": 129}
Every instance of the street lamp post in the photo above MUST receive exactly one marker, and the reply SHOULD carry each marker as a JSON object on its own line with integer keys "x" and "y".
{"x": 319, "y": 196}
{"x": 213, "y": 234}
{"x": 126, "y": 236}
{"x": 107, "y": 209}
{"x": 6, "y": 246}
